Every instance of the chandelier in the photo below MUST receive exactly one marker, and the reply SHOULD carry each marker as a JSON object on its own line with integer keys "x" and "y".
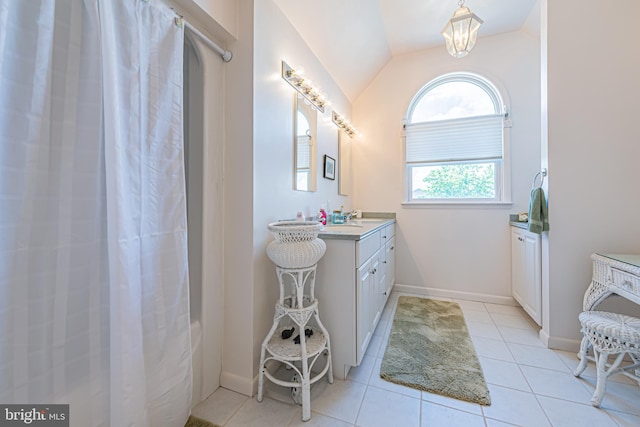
{"x": 461, "y": 31}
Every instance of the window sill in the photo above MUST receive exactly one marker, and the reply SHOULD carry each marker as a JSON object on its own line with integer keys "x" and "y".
{"x": 455, "y": 203}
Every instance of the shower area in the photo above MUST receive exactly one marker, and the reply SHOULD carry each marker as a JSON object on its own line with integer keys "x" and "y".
{"x": 110, "y": 273}
{"x": 203, "y": 156}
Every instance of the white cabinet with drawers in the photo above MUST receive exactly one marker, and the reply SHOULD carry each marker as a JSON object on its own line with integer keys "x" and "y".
{"x": 354, "y": 280}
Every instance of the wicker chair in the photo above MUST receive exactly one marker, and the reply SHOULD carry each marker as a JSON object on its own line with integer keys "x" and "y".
{"x": 609, "y": 334}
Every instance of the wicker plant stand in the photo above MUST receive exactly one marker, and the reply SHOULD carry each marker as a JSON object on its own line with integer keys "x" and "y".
{"x": 307, "y": 344}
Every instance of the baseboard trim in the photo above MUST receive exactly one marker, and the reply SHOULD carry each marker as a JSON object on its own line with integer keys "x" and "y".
{"x": 445, "y": 293}
{"x": 558, "y": 343}
{"x": 238, "y": 384}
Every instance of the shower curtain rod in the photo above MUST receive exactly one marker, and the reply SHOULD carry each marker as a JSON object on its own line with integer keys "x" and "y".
{"x": 225, "y": 54}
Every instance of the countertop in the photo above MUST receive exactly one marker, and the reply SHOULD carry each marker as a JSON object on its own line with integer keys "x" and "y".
{"x": 356, "y": 229}
{"x": 519, "y": 224}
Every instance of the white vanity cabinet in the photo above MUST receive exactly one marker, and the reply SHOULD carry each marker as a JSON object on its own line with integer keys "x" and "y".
{"x": 526, "y": 271}
{"x": 354, "y": 280}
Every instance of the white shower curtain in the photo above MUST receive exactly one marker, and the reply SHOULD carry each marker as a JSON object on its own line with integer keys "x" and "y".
{"x": 93, "y": 253}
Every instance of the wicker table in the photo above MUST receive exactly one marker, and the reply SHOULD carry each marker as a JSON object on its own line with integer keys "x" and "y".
{"x": 610, "y": 333}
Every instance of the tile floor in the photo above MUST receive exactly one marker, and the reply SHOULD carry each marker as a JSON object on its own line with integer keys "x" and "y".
{"x": 530, "y": 385}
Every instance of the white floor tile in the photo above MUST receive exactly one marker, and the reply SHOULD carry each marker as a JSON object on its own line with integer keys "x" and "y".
{"x": 268, "y": 413}
{"x": 512, "y": 321}
{"x": 562, "y": 385}
{"x": 520, "y": 336}
{"x": 493, "y": 349}
{"x": 504, "y": 374}
{"x": 503, "y": 308}
{"x": 340, "y": 400}
{"x": 362, "y": 373}
{"x": 319, "y": 420}
{"x": 571, "y": 360}
{"x": 220, "y": 406}
{"x": 374, "y": 345}
{"x": 470, "y": 305}
{"x": 537, "y": 356}
{"x": 570, "y": 414}
{"x": 381, "y": 327}
{"x": 449, "y": 402}
{"x": 618, "y": 397}
{"x": 477, "y": 316}
{"x": 437, "y": 415}
{"x": 515, "y": 407}
{"x": 483, "y": 330}
{"x": 530, "y": 385}
{"x": 381, "y": 408}
{"x": 624, "y": 420}
{"x": 495, "y": 423}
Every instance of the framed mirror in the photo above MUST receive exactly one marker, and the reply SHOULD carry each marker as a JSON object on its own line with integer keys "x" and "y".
{"x": 344, "y": 163}
{"x": 304, "y": 146}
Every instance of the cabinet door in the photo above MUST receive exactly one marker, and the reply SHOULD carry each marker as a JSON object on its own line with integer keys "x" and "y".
{"x": 375, "y": 299}
{"x": 526, "y": 282}
{"x": 363, "y": 308}
{"x": 390, "y": 267}
{"x": 532, "y": 276}
{"x": 517, "y": 266}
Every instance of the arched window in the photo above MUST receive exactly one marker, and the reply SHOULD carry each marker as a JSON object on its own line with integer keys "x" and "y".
{"x": 455, "y": 142}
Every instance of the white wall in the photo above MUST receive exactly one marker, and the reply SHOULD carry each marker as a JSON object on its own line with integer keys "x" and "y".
{"x": 464, "y": 250}
{"x": 273, "y": 196}
{"x": 237, "y": 360}
{"x": 258, "y": 159}
{"x": 593, "y": 149}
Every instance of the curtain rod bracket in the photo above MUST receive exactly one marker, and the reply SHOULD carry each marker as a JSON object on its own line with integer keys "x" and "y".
{"x": 181, "y": 22}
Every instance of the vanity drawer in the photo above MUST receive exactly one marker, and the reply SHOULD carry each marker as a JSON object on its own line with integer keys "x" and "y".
{"x": 366, "y": 247}
{"x": 387, "y": 233}
{"x": 625, "y": 281}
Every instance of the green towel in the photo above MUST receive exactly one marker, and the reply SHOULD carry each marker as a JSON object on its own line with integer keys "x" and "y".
{"x": 538, "y": 216}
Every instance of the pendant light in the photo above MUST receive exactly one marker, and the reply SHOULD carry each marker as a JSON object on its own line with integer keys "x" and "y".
{"x": 461, "y": 31}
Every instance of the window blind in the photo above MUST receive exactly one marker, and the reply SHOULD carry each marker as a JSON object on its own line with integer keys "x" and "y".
{"x": 469, "y": 138}
{"x": 303, "y": 152}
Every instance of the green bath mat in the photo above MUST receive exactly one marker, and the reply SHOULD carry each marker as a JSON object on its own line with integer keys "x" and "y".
{"x": 430, "y": 349}
{"x": 198, "y": 422}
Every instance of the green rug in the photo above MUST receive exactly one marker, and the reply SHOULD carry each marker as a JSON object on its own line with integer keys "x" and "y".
{"x": 198, "y": 422}
{"x": 430, "y": 349}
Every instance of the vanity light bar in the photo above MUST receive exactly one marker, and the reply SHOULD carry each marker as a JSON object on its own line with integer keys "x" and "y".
{"x": 343, "y": 123}
{"x": 304, "y": 87}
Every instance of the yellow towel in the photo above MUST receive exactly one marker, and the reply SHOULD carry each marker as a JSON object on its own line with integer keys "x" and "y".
{"x": 538, "y": 215}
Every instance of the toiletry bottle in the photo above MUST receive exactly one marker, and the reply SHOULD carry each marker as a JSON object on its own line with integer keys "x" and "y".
{"x": 299, "y": 216}
{"x": 323, "y": 216}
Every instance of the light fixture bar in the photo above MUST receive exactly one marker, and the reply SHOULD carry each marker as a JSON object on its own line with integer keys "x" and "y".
{"x": 303, "y": 87}
{"x": 343, "y": 123}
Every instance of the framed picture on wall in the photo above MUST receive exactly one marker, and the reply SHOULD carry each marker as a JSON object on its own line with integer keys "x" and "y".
{"x": 329, "y": 167}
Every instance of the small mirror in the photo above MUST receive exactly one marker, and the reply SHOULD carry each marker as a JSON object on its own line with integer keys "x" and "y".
{"x": 344, "y": 163}
{"x": 304, "y": 146}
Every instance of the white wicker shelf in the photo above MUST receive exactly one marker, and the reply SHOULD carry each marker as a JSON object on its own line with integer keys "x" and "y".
{"x": 289, "y": 351}
{"x": 296, "y": 251}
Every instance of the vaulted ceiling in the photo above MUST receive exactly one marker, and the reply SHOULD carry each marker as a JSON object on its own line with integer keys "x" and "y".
{"x": 354, "y": 39}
